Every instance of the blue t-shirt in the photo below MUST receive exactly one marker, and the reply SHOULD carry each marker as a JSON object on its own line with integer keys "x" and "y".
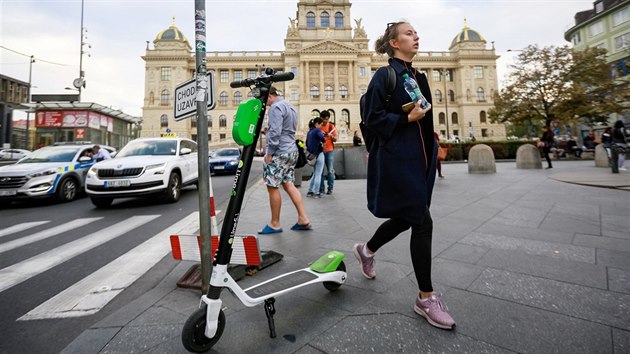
{"x": 314, "y": 141}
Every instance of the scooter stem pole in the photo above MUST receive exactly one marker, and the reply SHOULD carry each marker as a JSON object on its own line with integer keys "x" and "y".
{"x": 232, "y": 214}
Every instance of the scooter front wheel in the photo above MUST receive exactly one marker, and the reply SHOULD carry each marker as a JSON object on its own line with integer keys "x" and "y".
{"x": 193, "y": 336}
{"x": 331, "y": 285}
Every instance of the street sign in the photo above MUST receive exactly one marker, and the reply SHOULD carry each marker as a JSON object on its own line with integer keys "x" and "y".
{"x": 186, "y": 98}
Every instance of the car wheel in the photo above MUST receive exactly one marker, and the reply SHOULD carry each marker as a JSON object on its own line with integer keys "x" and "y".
{"x": 102, "y": 202}
{"x": 173, "y": 189}
{"x": 67, "y": 190}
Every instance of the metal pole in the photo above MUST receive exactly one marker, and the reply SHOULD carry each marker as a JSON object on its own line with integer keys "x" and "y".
{"x": 446, "y": 103}
{"x": 28, "y": 113}
{"x": 81, "y": 52}
{"x": 202, "y": 142}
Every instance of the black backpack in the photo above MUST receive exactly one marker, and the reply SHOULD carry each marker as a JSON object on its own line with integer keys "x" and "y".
{"x": 368, "y": 136}
{"x": 301, "y": 161}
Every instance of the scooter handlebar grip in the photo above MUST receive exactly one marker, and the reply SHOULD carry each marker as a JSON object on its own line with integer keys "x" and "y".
{"x": 287, "y": 76}
{"x": 242, "y": 83}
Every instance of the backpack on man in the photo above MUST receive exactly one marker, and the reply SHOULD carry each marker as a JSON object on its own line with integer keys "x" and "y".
{"x": 368, "y": 135}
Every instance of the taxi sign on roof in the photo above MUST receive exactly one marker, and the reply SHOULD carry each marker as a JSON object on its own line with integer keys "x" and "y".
{"x": 186, "y": 97}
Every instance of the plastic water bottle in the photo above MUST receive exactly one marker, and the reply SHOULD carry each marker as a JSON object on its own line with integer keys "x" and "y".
{"x": 411, "y": 86}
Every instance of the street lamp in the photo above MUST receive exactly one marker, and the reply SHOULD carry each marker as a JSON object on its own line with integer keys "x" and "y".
{"x": 443, "y": 73}
{"x": 79, "y": 82}
{"x": 28, "y": 113}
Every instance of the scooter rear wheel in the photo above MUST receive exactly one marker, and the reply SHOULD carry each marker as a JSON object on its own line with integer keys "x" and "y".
{"x": 193, "y": 336}
{"x": 331, "y": 285}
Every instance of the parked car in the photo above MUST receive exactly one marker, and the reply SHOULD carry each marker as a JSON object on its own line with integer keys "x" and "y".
{"x": 13, "y": 154}
{"x": 144, "y": 167}
{"x": 224, "y": 160}
{"x": 52, "y": 171}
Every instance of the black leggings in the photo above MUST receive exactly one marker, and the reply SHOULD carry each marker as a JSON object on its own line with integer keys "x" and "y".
{"x": 546, "y": 155}
{"x": 420, "y": 245}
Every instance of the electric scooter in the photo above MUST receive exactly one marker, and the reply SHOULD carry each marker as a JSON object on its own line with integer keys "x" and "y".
{"x": 204, "y": 327}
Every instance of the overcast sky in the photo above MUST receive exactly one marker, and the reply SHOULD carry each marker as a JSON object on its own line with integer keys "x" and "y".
{"x": 118, "y": 30}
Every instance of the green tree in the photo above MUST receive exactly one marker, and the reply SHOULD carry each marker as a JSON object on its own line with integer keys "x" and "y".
{"x": 559, "y": 84}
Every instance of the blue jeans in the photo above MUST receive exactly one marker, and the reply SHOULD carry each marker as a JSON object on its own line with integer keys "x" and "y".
{"x": 317, "y": 174}
{"x": 330, "y": 163}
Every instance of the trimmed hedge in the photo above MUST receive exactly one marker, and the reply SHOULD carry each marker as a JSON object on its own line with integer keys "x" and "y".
{"x": 502, "y": 149}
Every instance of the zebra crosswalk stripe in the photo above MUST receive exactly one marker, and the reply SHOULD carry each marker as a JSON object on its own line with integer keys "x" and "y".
{"x": 46, "y": 234}
{"x": 93, "y": 292}
{"x": 21, "y": 227}
{"x": 19, "y": 272}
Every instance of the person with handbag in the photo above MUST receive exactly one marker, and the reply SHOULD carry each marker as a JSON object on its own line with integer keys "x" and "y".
{"x": 402, "y": 195}
{"x": 546, "y": 143}
{"x": 314, "y": 146}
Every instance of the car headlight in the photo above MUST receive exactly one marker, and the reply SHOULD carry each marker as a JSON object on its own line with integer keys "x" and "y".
{"x": 92, "y": 172}
{"x": 157, "y": 168}
{"x": 48, "y": 172}
{"x": 233, "y": 162}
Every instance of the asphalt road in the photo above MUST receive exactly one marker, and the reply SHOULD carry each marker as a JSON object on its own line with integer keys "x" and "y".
{"x": 48, "y": 248}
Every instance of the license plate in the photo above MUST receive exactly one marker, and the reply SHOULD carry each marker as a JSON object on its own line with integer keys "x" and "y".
{"x": 8, "y": 192}
{"x": 117, "y": 183}
{"x": 219, "y": 167}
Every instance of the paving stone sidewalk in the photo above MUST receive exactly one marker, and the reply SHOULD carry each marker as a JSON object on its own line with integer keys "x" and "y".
{"x": 526, "y": 262}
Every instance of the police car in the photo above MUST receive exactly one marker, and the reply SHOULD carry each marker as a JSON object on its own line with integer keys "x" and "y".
{"x": 144, "y": 167}
{"x": 56, "y": 171}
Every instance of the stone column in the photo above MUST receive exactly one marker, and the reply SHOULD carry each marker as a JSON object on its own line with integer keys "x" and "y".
{"x": 321, "y": 80}
{"x": 336, "y": 81}
{"x": 307, "y": 80}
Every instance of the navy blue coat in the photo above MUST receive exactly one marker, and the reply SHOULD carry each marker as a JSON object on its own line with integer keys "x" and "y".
{"x": 402, "y": 161}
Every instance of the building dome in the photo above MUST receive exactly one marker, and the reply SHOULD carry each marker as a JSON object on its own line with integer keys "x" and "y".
{"x": 467, "y": 34}
{"x": 171, "y": 34}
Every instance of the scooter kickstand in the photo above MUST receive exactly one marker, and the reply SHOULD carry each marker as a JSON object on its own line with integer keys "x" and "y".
{"x": 270, "y": 310}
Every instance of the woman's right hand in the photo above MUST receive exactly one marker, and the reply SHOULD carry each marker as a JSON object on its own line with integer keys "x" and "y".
{"x": 417, "y": 114}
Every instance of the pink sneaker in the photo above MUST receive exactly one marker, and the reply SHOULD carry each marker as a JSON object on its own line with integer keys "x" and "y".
{"x": 434, "y": 310}
{"x": 367, "y": 263}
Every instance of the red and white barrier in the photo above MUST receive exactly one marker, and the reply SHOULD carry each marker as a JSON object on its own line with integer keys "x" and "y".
{"x": 245, "y": 248}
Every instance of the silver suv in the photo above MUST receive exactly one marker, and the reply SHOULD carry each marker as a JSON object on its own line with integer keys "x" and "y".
{"x": 56, "y": 171}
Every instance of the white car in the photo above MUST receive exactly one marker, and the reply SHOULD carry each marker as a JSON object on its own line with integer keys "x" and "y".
{"x": 52, "y": 171}
{"x": 145, "y": 166}
{"x": 13, "y": 154}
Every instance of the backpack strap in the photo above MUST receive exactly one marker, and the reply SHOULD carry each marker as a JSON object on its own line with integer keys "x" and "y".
{"x": 391, "y": 84}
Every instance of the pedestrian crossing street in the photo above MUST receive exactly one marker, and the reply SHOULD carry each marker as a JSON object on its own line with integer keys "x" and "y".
{"x": 92, "y": 293}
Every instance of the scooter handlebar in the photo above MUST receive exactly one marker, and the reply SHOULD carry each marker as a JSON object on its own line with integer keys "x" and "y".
{"x": 287, "y": 76}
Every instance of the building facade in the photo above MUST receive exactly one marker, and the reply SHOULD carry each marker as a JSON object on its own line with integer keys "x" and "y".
{"x": 329, "y": 55}
{"x": 606, "y": 25}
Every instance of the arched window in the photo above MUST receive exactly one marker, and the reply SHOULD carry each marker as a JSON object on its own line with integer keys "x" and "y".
{"x": 223, "y": 98}
{"x": 332, "y": 116}
{"x": 482, "y": 117}
{"x": 328, "y": 93}
{"x": 481, "y": 95}
{"x": 238, "y": 97}
{"x": 314, "y": 92}
{"x": 250, "y": 94}
{"x": 438, "y": 95}
{"x": 193, "y": 121}
{"x": 338, "y": 19}
{"x": 151, "y": 98}
{"x": 222, "y": 121}
{"x": 209, "y": 121}
{"x": 314, "y": 113}
{"x": 454, "y": 118}
{"x": 164, "y": 98}
{"x": 310, "y": 19}
{"x": 451, "y": 96}
{"x": 163, "y": 121}
{"x": 343, "y": 91}
{"x": 441, "y": 119}
{"x": 345, "y": 117}
{"x": 468, "y": 97}
{"x": 324, "y": 19}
